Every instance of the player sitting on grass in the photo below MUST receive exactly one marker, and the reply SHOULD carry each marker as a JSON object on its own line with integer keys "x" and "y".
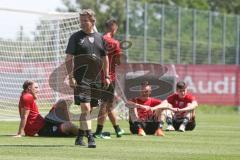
{"x": 33, "y": 123}
{"x": 182, "y": 115}
{"x": 146, "y": 113}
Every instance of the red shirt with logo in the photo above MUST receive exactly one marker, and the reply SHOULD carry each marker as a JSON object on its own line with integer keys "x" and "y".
{"x": 180, "y": 103}
{"x": 144, "y": 114}
{"x": 113, "y": 51}
{"x": 34, "y": 120}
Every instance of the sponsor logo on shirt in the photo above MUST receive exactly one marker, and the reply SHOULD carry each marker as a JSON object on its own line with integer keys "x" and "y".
{"x": 81, "y": 41}
{"x": 91, "y": 39}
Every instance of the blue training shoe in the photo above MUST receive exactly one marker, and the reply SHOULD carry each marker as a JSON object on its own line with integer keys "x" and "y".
{"x": 103, "y": 135}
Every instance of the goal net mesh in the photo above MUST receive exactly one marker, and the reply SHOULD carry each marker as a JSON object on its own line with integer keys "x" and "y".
{"x": 39, "y": 57}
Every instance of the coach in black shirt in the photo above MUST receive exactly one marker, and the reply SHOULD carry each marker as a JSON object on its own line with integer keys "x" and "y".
{"x": 85, "y": 59}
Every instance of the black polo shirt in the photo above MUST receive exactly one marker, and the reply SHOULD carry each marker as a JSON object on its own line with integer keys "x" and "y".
{"x": 87, "y": 50}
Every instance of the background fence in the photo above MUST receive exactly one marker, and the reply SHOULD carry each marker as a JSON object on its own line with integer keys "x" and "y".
{"x": 174, "y": 35}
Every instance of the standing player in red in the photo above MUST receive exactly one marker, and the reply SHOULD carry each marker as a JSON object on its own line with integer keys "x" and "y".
{"x": 113, "y": 53}
{"x": 33, "y": 123}
{"x": 182, "y": 116}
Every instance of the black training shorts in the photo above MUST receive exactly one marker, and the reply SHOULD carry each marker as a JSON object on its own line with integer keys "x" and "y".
{"x": 52, "y": 129}
{"x": 148, "y": 127}
{"x": 87, "y": 93}
{"x": 189, "y": 127}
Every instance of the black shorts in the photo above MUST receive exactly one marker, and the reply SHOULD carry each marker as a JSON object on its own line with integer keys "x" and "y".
{"x": 103, "y": 95}
{"x": 52, "y": 129}
{"x": 148, "y": 127}
{"x": 87, "y": 93}
{"x": 189, "y": 127}
{"x": 108, "y": 95}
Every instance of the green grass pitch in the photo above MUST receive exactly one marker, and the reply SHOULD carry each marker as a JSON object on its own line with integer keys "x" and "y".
{"x": 216, "y": 137}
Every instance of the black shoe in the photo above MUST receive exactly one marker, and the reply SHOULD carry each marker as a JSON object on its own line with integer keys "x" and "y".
{"x": 91, "y": 142}
{"x": 79, "y": 141}
{"x": 119, "y": 132}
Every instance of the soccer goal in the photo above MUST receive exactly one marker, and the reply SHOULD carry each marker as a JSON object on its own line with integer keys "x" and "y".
{"x": 35, "y": 52}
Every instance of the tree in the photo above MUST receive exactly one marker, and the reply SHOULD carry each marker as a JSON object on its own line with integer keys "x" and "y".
{"x": 223, "y": 6}
{"x": 104, "y": 10}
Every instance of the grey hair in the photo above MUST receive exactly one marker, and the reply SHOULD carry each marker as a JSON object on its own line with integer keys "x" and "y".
{"x": 89, "y": 13}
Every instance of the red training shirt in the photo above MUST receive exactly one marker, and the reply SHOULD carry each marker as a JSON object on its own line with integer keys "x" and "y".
{"x": 113, "y": 51}
{"x": 143, "y": 114}
{"x": 180, "y": 103}
{"x": 34, "y": 120}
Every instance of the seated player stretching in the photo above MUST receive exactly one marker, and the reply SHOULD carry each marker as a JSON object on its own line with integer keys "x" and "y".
{"x": 33, "y": 123}
{"x": 182, "y": 115}
{"x": 146, "y": 113}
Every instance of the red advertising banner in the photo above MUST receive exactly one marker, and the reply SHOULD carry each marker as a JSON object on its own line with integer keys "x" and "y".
{"x": 212, "y": 84}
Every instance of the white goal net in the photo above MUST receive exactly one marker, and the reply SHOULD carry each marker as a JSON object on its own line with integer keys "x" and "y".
{"x": 35, "y": 52}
